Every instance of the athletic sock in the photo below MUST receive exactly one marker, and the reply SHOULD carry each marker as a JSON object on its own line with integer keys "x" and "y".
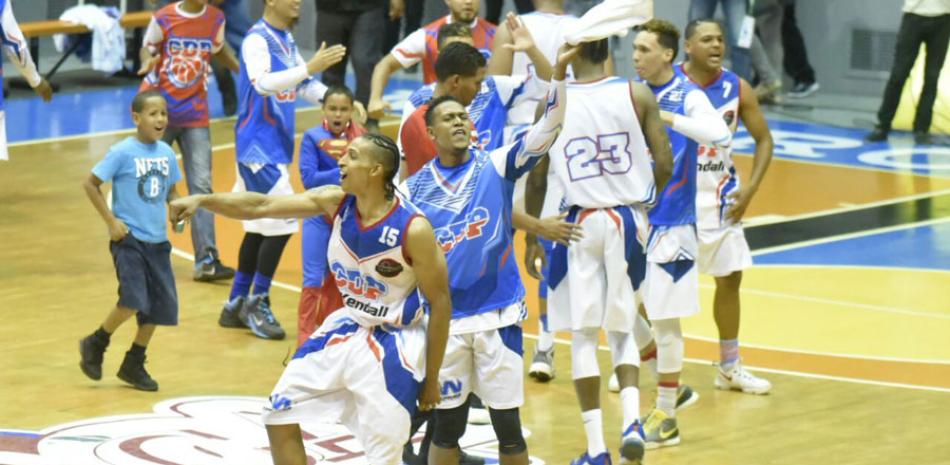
{"x": 593, "y": 426}
{"x": 545, "y": 338}
{"x": 241, "y": 286}
{"x": 261, "y": 284}
{"x": 728, "y": 354}
{"x": 666, "y": 398}
{"x": 630, "y": 402}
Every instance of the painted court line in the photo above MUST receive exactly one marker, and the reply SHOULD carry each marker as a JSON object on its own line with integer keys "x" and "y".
{"x": 854, "y": 235}
{"x": 182, "y": 254}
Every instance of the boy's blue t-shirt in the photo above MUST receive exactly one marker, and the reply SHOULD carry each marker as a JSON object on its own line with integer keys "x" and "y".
{"x": 141, "y": 175}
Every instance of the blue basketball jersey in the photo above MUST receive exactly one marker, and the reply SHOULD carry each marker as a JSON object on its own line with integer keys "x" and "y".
{"x": 3, "y": 38}
{"x": 469, "y": 206}
{"x": 488, "y": 110}
{"x": 265, "y": 126}
{"x": 676, "y": 205}
{"x": 370, "y": 267}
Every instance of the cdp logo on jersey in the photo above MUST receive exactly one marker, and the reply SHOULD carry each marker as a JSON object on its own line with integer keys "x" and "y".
{"x": 469, "y": 228}
{"x": 355, "y": 283}
{"x": 186, "y": 59}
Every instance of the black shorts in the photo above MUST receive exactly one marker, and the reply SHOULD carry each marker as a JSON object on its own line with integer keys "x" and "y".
{"x": 146, "y": 281}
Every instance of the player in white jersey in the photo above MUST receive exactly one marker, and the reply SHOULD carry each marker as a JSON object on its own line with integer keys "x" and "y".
{"x": 602, "y": 159}
{"x": 720, "y": 203}
{"x": 546, "y": 25}
{"x": 671, "y": 286}
{"x": 15, "y": 46}
{"x": 364, "y": 365}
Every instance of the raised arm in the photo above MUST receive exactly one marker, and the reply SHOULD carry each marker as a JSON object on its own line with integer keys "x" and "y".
{"x": 654, "y": 132}
{"x": 256, "y": 56}
{"x": 754, "y": 121}
{"x": 381, "y": 73}
{"x": 432, "y": 273}
{"x": 252, "y": 205}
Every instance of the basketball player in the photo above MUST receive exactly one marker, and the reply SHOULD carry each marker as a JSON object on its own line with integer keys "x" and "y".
{"x": 320, "y": 150}
{"x": 272, "y": 75}
{"x": 602, "y": 161}
{"x": 176, "y": 58}
{"x": 720, "y": 203}
{"x": 466, "y": 194}
{"x": 363, "y": 366}
{"x": 546, "y": 25}
{"x": 15, "y": 46}
{"x": 422, "y": 45}
{"x": 671, "y": 286}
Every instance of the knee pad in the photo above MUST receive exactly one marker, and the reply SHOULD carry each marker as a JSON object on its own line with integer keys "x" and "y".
{"x": 507, "y": 426}
{"x": 584, "y": 353}
{"x": 669, "y": 345}
{"x": 449, "y": 426}
{"x": 622, "y": 349}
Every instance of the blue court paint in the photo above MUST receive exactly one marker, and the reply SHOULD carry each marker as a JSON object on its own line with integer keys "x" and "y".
{"x": 926, "y": 247}
{"x": 80, "y": 113}
{"x": 846, "y": 147}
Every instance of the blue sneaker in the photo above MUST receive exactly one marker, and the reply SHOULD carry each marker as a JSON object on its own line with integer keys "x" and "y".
{"x": 632, "y": 444}
{"x": 230, "y": 314}
{"x": 256, "y": 314}
{"x": 601, "y": 459}
{"x": 209, "y": 268}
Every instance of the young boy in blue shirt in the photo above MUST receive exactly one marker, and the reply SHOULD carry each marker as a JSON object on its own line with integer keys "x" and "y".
{"x": 143, "y": 172}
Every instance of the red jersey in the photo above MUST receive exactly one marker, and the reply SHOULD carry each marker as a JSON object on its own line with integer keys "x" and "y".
{"x": 422, "y": 45}
{"x": 185, "y": 43}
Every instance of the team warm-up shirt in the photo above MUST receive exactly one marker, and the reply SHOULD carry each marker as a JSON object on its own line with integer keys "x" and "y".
{"x": 601, "y": 158}
{"x": 272, "y": 75}
{"x": 422, "y": 45}
{"x": 469, "y": 206}
{"x": 488, "y": 113}
{"x": 185, "y": 43}
{"x": 716, "y": 177}
{"x": 370, "y": 267}
{"x": 141, "y": 176}
{"x": 695, "y": 122}
{"x": 15, "y": 47}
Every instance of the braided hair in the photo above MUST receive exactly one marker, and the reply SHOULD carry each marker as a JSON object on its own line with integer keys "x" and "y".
{"x": 388, "y": 154}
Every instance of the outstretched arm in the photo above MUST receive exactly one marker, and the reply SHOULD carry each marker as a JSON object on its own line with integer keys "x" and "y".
{"x": 252, "y": 205}
{"x": 428, "y": 262}
{"x": 702, "y": 122}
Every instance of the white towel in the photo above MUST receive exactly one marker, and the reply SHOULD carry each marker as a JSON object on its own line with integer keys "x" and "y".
{"x": 108, "y": 37}
{"x": 609, "y": 18}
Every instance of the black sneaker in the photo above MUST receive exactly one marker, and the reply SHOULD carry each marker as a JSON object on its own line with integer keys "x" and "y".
{"x": 210, "y": 269}
{"x": 133, "y": 372}
{"x": 90, "y": 351}
{"x": 922, "y": 138}
{"x": 879, "y": 134}
{"x": 231, "y": 313}
{"x": 256, "y": 314}
{"x": 804, "y": 89}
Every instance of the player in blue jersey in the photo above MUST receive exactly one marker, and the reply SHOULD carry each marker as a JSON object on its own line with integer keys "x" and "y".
{"x": 671, "y": 286}
{"x": 15, "y": 46}
{"x": 467, "y": 195}
{"x": 720, "y": 203}
{"x": 273, "y": 75}
{"x": 362, "y": 367}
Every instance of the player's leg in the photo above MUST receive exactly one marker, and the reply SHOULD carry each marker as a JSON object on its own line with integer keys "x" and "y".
{"x": 445, "y": 439}
{"x": 499, "y": 381}
{"x": 626, "y": 366}
{"x": 660, "y": 427}
{"x": 286, "y": 444}
{"x": 449, "y": 419}
{"x": 512, "y": 448}
{"x": 258, "y": 315}
{"x": 542, "y": 363}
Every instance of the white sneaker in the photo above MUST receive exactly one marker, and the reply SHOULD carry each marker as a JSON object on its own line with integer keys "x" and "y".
{"x": 739, "y": 379}
{"x": 613, "y": 385}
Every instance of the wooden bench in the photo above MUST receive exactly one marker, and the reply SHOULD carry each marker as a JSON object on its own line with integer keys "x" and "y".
{"x": 34, "y": 30}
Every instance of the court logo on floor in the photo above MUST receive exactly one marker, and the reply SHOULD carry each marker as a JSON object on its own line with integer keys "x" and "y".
{"x": 194, "y": 431}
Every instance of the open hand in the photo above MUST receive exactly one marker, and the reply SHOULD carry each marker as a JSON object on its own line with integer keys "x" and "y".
{"x": 326, "y": 57}
{"x": 429, "y": 395}
{"x": 555, "y": 229}
{"x": 521, "y": 39}
{"x": 44, "y": 90}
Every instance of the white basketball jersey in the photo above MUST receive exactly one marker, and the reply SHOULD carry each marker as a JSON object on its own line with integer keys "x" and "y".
{"x": 601, "y": 157}
{"x": 369, "y": 266}
{"x": 548, "y": 32}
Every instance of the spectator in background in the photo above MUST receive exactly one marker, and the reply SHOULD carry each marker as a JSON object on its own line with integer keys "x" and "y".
{"x": 734, "y": 11}
{"x": 358, "y": 25}
{"x": 422, "y": 46}
{"x": 493, "y": 9}
{"x": 237, "y": 22}
{"x": 412, "y": 18}
{"x": 766, "y": 50}
{"x": 795, "y": 58}
{"x": 923, "y": 22}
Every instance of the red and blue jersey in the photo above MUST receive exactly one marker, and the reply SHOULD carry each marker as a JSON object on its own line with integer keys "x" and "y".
{"x": 185, "y": 43}
{"x": 423, "y": 45}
